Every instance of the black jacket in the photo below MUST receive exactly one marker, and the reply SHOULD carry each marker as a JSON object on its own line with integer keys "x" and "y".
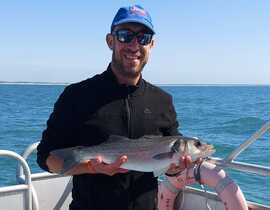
{"x": 88, "y": 112}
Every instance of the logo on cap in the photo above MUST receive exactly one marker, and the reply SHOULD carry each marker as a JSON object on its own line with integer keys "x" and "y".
{"x": 137, "y": 11}
{"x": 133, "y": 14}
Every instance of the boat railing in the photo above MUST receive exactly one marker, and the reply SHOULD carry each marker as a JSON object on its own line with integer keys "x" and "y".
{"x": 23, "y": 174}
{"x": 229, "y": 161}
{"x": 20, "y": 177}
{"x": 26, "y": 186}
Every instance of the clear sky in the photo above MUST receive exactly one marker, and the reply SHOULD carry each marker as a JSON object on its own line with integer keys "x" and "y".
{"x": 197, "y": 42}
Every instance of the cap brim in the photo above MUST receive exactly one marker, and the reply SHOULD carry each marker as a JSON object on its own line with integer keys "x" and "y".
{"x": 133, "y": 20}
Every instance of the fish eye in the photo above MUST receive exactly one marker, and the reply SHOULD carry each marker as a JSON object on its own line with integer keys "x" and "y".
{"x": 197, "y": 143}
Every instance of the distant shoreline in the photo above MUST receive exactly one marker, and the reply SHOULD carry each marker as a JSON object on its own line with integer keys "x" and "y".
{"x": 63, "y": 83}
{"x": 32, "y": 83}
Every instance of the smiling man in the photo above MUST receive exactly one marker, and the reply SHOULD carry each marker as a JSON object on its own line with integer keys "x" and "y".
{"x": 116, "y": 102}
{"x": 130, "y": 54}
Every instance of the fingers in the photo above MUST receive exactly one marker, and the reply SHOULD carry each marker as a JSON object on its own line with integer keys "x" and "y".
{"x": 199, "y": 160}
{"x": 97, "y": 161}
{"x": 95, "y": 164}
{"x": 115, "y": 167}
{"x": 185, "y": 161}
{"x": 176, "y": 169}
{"x": 109, "y": 169}
{"x": 119, "y": 161}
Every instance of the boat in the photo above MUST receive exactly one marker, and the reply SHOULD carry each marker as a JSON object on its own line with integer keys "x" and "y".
{"x": 45, "y": 191}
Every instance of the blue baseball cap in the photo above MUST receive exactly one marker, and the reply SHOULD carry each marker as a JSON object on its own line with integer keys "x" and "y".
{"x": 133, "y": 14}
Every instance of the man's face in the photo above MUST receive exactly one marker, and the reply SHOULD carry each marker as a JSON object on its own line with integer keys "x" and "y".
{"x": 128, "y": 59}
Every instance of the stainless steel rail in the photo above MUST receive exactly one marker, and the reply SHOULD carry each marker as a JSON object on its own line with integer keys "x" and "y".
{"x": 28, "y": 183}
{"x": 247, "y": 143}
{"x": 228, "y": 162}
{"x": 241, "y": 166}
{"x": 19, "y": 172}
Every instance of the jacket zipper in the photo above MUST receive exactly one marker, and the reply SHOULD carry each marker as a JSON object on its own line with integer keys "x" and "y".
{"x": 128, "y": 109}
{"x": 128, "y": 116}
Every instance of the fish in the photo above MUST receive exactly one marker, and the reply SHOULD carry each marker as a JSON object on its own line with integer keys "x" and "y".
{"x": 145, "y": 154}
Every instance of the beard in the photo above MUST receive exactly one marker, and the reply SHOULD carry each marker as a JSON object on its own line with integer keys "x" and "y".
{"x": 128, "y": 72}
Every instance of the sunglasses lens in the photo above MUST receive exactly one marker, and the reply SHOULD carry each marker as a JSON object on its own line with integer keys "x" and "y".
{"x": 126, "y": 36}
{"x": 144, "y": 38}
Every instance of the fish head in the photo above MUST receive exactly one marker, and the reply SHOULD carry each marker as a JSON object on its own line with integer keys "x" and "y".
{"x": 180, "y": 145}
{"x": 192, "y": 146}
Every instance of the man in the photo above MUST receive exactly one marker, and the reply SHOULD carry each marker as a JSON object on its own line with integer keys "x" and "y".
{"x": 119, "y": 102}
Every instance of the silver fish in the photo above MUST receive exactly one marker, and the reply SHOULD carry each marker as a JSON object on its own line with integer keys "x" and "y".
{"x": 145, "y": 154}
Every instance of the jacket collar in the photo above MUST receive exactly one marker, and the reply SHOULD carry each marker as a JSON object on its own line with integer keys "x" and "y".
{"x": 132, "y": 90}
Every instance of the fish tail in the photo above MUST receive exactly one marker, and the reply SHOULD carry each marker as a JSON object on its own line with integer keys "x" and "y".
{"x": 69, "y": 157}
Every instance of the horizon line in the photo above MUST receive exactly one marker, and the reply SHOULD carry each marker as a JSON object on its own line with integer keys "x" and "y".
{"x": 158, "y": 84}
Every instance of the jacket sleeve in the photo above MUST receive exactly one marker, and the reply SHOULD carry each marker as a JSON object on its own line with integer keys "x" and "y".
{"x": 61, "y": 127}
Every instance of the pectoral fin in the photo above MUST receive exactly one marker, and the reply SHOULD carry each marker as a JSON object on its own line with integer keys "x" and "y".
{"x": 164, "y": 155}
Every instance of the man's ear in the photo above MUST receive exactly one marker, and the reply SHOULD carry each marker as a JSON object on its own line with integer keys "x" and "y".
{"x": 109, "y": 40}
{"x": 152, "y": 43}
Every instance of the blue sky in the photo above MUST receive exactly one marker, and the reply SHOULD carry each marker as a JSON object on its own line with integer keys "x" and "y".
{"x": 197, "y": 42}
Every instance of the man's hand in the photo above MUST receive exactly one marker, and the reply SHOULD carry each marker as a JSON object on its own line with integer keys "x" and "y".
{"x": 184, "y": 162}
{"x": 99, "y": 167}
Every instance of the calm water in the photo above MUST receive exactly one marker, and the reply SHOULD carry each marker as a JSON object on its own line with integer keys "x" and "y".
{"x": 222, "y": 115}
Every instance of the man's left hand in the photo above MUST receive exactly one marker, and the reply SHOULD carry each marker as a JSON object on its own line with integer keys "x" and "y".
{"x": 184, "y": 162}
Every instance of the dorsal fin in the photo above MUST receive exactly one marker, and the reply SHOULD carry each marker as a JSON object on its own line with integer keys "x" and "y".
{"x": 123, "y": 138}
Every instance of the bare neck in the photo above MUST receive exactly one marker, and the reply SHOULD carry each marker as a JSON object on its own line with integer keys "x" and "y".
{"x": 126, "y": 80}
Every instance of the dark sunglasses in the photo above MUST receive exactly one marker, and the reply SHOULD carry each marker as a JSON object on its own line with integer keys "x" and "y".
{"x": 126, "y": 36}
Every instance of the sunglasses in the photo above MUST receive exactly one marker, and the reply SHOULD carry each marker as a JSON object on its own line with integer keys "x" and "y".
{"x": 126, "y": 36}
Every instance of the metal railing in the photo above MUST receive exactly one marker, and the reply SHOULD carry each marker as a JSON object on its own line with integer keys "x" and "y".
{"x": 228, "y": 162}
{"x": 20, "y": 177}
{"x": 27, "y": 186}
{"x": 23, "y": 174}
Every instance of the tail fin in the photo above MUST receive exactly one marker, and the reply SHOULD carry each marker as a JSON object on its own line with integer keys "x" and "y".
{"x": 69, "y": 157}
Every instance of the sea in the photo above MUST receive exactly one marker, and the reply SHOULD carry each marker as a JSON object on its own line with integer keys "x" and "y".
{"x": 223, "y": 115}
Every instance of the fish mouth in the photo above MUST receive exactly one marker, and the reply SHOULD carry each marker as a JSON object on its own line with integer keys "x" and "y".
{"x": 207, "y": 150}
{"x": 208, "y": 147}
{"x": 200, "y": 145}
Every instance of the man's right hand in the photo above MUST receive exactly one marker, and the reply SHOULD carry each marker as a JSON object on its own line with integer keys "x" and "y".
{"x": 94, "y": 166}
{"x": 97, "y": 166}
